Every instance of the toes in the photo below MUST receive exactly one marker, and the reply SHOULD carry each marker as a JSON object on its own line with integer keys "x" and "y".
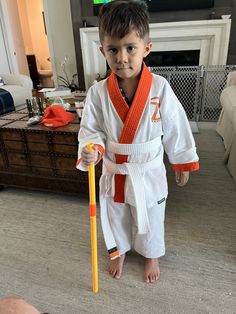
{"x": 155, "y": 277}
{"x": 115, "y": 273}
{"x": 146, "y": 280}
{"x": 117, "y": 276}
{"x": 151, "y": 278}
{"x": 112, "y": 272}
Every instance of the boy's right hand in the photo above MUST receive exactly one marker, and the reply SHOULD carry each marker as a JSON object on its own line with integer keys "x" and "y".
{"x": 89, "y": 156}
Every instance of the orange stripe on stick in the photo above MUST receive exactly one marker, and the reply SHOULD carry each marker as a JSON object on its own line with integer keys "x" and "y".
{"x": 92, "y": 208}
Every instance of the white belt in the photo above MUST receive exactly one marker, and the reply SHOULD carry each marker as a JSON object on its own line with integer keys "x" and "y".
{"x": 135, "y": 171}
{"x": 133, "y": 149}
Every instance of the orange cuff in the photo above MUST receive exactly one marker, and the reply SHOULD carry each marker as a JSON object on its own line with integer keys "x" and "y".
{"x": 78, "y": 162}
{"x": 101, "y": 151}
{"x": 192, "y": 166}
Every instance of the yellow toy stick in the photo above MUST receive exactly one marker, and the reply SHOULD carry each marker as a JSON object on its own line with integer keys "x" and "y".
{"x": 93, "y": 223}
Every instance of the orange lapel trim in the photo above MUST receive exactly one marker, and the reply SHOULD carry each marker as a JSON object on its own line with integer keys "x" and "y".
{"x": 116, "y": 97}
{"x": 138, "y": 104}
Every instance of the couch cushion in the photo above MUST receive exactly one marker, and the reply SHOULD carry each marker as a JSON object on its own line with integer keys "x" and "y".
{"x": 19, "y": 94}
{"x": 228, "y": 97}
{"x": 226, "y": 125}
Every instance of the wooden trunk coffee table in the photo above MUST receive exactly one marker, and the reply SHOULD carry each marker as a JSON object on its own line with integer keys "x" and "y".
{"x": 36, "y": 157}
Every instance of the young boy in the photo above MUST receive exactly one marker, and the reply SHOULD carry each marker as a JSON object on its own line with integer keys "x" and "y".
{"x": 132, "y": 117}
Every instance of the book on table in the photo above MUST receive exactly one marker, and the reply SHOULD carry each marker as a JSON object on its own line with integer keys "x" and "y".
{"x": 55, "y": 92}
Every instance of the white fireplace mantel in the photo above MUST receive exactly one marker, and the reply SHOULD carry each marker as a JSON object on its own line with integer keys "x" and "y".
{"x": 211, "y": 37}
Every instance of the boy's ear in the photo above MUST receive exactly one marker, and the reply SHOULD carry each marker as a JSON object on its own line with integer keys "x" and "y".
{"x": 147, "y": 49}
{"x": 102, "y": 51}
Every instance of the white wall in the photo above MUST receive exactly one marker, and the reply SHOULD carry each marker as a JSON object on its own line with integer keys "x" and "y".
{"x": 13, "y": 35}
{"x": 60, "y": 35}
{"x": 4, "y": 62}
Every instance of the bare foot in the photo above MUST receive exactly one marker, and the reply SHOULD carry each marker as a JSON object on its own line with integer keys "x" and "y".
{"x": 116, "y": 266}
{"x": 151, "y": 270}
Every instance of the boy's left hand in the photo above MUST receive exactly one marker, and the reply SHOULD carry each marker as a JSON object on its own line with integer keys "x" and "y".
{"x": 181, "y": 178}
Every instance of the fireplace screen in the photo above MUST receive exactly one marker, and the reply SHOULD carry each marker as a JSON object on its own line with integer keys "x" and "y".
{"x": 198, "y": 88}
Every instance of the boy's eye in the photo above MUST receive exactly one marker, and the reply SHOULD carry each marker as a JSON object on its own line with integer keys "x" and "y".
{"x": 112, "y": 50}
{"x": 131, "y": 49}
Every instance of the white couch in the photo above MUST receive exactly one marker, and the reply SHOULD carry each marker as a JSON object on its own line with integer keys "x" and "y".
{"x": 226, "y": 125}
{"x": 19, "y": 86}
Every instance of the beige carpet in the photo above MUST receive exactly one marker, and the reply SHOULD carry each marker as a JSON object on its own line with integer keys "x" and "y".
{"x": 45, "y": 249}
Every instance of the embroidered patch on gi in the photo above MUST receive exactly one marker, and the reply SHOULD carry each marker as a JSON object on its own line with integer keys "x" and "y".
{"x": 161, "y": 201}
{"x": 156, "y": 116}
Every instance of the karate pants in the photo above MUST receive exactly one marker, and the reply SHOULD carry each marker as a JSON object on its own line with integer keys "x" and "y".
{"x": 122, "y": 219}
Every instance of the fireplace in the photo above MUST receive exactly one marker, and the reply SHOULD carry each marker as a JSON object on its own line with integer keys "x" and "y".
{"x": 172, "y": 58}
{"x": 202, "y": 42}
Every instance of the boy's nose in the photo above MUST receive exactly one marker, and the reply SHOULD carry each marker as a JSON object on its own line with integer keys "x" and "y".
{"x": 122, "y": 57}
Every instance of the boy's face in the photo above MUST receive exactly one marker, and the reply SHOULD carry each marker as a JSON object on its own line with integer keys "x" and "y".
{"x": 125, "y": 55}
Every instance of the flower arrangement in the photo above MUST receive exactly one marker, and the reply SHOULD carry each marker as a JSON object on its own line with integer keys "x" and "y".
{"x": 72, "y": 85}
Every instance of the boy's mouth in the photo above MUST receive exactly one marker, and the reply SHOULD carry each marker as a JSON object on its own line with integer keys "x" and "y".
{"x": 121, "y": 69}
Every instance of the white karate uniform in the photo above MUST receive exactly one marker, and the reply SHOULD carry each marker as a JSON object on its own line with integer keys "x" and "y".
{"x": 133, "y": 186}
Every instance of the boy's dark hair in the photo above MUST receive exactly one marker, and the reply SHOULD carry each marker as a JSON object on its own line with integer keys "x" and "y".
{"x": 118, "y": 18}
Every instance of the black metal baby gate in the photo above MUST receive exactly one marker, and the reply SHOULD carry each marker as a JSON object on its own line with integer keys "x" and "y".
{"x": 198, "y": 88}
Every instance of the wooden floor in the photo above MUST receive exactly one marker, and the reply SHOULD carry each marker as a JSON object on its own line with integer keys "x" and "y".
{"x": 45, "y": 249}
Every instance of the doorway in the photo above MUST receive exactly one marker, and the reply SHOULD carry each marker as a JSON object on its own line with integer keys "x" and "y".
{"x": 35, "y": 39}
